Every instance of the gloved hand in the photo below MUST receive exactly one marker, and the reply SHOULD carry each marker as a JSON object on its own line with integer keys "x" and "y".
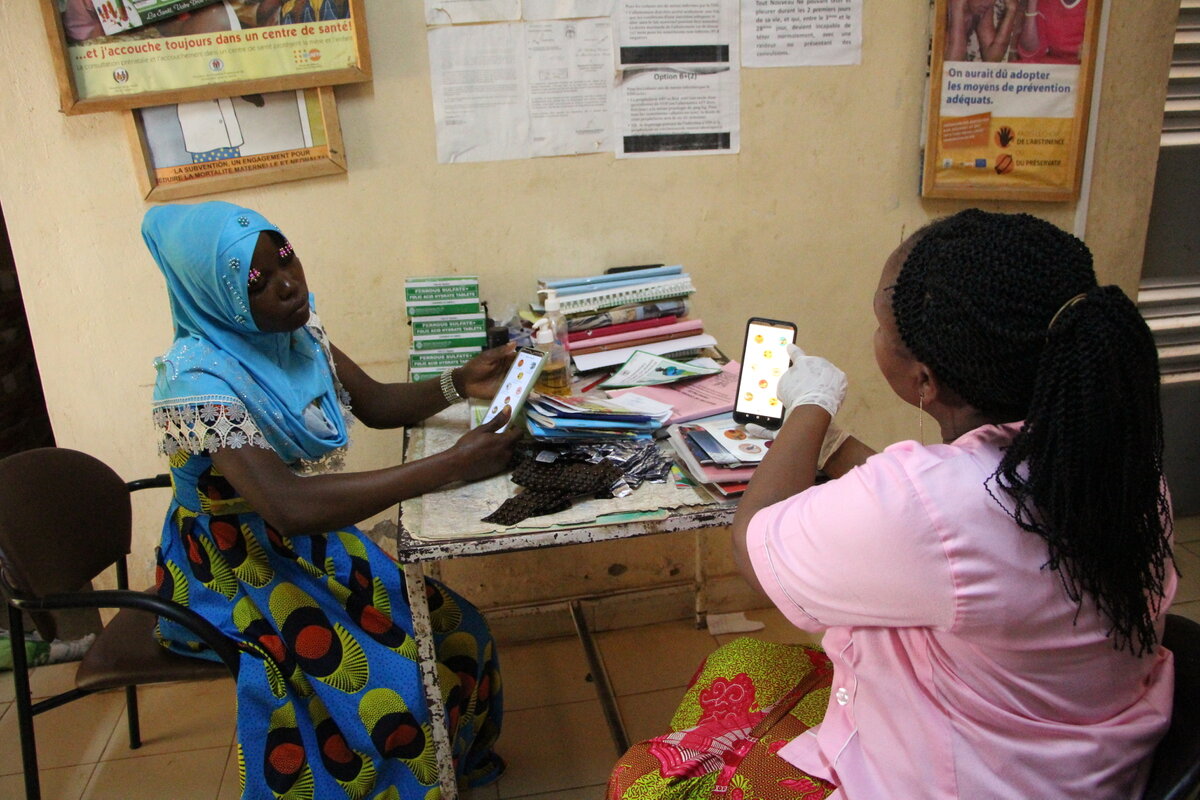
{"x": 811, "y": 380}
{"x": 835, "y": 437}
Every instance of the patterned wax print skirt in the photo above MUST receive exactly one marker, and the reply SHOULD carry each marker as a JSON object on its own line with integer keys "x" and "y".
{"x": 747, "y": 700}
{"x": 330, "y": 704}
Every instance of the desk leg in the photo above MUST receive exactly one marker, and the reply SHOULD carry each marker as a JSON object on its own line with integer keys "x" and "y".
{"x": 414, "y": 581}
{"x": 604, "y": 690}
{"x": 701, "y": 593}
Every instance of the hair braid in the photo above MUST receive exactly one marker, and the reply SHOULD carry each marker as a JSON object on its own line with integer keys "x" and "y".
{"x": 974, "y": 301}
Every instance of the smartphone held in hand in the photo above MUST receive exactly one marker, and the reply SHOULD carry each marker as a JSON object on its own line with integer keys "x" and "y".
{"x": 764, "y": 360}
{"x": 526, "y": 366}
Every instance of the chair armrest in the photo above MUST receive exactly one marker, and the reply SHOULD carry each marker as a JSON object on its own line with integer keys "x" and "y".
{"x": 162, "y": 481}
{"x": 221, "y": 644}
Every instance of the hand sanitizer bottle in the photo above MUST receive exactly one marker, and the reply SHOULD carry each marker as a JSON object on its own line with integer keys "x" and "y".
{"x": 556, "y": 370}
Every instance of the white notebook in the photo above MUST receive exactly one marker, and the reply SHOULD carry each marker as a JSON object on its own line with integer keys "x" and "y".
{"x": 647, "y": 292}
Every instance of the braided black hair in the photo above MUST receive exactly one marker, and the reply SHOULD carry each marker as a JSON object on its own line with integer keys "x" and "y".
{"x": 974, "y": 301}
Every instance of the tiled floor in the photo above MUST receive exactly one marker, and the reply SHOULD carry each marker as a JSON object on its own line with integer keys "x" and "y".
{"x": 555, "y": 738}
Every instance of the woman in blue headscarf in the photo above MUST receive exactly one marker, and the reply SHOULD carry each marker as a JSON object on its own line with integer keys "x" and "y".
{"x": 251, "y": 401}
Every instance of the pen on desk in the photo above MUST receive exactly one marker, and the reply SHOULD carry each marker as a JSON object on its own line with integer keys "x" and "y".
{"x": 596, "y": 382}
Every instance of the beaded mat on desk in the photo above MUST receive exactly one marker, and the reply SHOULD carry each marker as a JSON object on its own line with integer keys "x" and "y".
{"x": 457, "y": 511}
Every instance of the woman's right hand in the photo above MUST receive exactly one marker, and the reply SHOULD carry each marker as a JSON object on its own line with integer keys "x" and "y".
{"x": 483, "y": 452}
{"x": 811, "y": 380}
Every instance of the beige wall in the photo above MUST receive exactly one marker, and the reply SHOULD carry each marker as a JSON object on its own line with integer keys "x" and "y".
{"x": 795, "y": 226}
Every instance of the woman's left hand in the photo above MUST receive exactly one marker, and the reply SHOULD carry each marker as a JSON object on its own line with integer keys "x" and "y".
{"x": 482, "y": 375}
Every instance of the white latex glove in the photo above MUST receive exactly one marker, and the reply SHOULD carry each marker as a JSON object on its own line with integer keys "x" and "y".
{"x": 835, "y": 437}
{"x": 811, "y": 381}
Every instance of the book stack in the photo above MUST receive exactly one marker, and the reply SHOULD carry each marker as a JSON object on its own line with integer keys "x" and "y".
{"x": 448, "y": 323}
{"x": 717, "y": 453}
{"x": 610, "y": 316}
{"x": 586, "y": 419}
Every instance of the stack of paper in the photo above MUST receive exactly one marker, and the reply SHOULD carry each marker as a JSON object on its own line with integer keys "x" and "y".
{"x": 610, "y": 316}
{"x": 718, "y": 453}
{"x": 448, "y": 324}
{"x": 693, "y": 399}
{"x": 586, "y": 419}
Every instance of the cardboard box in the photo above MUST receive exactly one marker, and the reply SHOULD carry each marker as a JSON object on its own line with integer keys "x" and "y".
{"x": 449, "y": 332}
{"x": 427, "y": 297}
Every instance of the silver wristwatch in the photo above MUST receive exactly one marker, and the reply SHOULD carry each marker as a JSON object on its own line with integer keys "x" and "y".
{"x": 448, "y": 389}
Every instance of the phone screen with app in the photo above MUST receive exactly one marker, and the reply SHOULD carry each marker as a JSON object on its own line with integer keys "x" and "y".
{"x": 764, "y": 360}
{"x": 525, "y": 368}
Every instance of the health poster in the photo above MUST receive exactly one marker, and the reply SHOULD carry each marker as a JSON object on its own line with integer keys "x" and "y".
{"x": 1010, "y": 88}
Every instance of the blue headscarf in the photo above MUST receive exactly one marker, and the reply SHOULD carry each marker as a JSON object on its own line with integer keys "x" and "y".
{"x": 224, "y": 383}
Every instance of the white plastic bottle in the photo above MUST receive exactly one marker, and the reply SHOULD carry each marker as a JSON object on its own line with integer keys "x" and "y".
{"x": 554, "y": 313}
{"x": 556, "y": 370}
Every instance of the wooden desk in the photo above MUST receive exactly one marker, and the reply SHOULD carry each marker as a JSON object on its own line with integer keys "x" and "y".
{"x": 413, "y": 553}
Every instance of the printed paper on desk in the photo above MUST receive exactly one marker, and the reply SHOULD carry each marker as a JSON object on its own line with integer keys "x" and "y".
{"x": 736, "y": 441}
{"x": 702, "y": 397}
{"x": 610, "y": 358}
{"x": 647, "y": 369}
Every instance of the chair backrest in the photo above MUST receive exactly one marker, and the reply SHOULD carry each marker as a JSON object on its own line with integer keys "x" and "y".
{"x": 65, "y": 516}
{"x": 1175, "y": 770}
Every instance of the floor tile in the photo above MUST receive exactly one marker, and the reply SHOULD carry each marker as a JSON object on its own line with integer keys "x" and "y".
{"x": 63, "y": 783}
{"x": 1187, "y": 529}
{"x": 179, "y": 716}
{"x": 555, "y": 749}
{"x": 193, "y": 775}
{"x": 76, "y": 733}
{"x": 654, "y": 657}
{"x": 544, "y": 674}
{"x": 230, "y": 786}
{"x": 1188, "y": 562}
{"x": 581, "y": 793}
{"x": 648, "y": 715}
{"x": 52, "y": 679}
{"x": 43, "y": 681}
{"x": 777, "y": 629}
{"x": 489, "y": 792}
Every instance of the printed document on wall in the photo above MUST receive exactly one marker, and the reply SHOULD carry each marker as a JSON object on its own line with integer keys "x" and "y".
{"x": 570, "y": 82}
{"x": 801, "y": 33}
{"x": 480, "y": 97}
{"x": 457, "y": 12}
{"x": 678, "y": 90}
{"x": 677, "y": 111}
{"x": 509, "y": 91}
{"x": 566, "y": 9}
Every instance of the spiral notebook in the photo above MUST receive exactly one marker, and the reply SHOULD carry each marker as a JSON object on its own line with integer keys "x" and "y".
{"x": 648, "y": 292}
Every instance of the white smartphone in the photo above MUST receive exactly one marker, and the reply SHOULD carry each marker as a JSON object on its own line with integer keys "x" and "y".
{"x": 764, "y": 360}
{"x": 526, "y": 366}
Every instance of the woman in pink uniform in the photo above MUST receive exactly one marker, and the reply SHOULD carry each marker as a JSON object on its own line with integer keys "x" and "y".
{"x": 992, "y": 604}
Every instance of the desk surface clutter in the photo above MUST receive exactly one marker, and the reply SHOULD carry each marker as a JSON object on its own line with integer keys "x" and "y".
{"x": 458, "y": 511}
{"x": 630, "y": 337}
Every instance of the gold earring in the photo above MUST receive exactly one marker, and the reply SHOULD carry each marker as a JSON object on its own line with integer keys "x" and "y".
{"x": 921, "y": 415}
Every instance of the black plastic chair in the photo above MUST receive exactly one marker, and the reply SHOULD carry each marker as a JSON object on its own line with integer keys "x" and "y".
{"x": 65, "y": 517}
{"x": 1175, "y": 770}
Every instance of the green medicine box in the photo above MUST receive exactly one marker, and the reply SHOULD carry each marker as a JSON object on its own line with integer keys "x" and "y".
{"x": 440, "y": 296}
{"x": 449, "y": 332}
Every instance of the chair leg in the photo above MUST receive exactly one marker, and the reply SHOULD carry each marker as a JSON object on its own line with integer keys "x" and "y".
{"x": 16, "y": 629}
{"x": 131, "y": 711}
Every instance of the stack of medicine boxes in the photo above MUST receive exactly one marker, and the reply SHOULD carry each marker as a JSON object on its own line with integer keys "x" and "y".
{"x": 448, "y": 323}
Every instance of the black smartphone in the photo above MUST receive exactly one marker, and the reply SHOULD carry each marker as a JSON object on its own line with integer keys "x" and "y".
{"x": 764, "y": 360}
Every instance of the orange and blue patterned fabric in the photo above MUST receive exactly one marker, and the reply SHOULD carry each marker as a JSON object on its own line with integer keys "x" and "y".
{"x": 329, "y": 696}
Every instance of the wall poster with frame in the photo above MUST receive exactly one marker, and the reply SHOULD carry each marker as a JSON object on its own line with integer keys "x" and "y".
{"x": 1010, "y": 88}
{"x": 216, "y": 49}
{"x": 229, "y": 143}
